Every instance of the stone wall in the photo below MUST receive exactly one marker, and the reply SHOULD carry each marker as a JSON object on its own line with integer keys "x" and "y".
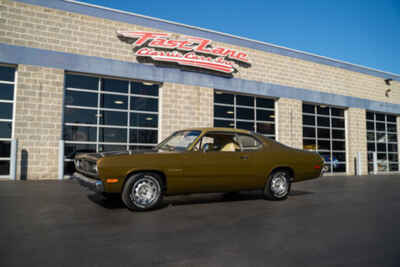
{"x": 356, "y": 139}
{"x": 289, "y": 126}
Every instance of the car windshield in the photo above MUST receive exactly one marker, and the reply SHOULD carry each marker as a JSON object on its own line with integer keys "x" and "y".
{"x": 179, "y": 140}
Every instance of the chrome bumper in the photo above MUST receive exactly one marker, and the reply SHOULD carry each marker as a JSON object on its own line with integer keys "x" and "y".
{"x": 90, "y": 183}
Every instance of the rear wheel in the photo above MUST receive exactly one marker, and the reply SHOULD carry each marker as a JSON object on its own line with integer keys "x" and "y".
{"x": 143, "y": 191}
{"x": 278, "y": 185}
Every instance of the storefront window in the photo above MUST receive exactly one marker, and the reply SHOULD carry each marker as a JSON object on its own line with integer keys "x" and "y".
{"x": 244, "y": 112}
{"x": 382, "y": 139}
{"x": 7, "y": 78}
{"x": 324, "y": 132}
{"x": 103, "y": 114}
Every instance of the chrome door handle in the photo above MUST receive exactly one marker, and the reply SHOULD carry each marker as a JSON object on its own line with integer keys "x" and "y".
{"x": 244, "y": 157}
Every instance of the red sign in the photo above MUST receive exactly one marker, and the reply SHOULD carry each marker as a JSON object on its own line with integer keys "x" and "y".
{"x": 191, "y": 51}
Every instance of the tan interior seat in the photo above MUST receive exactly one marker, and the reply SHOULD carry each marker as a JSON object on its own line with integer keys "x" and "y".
{"x": 230, "y": 147}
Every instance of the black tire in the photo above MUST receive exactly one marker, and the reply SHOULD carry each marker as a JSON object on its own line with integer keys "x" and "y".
{"x": 276, "y": 188}
{"x": 143, "y": 191}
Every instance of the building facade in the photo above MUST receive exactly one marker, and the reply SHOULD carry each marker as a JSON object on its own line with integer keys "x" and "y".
{"x": 79, "y": 78}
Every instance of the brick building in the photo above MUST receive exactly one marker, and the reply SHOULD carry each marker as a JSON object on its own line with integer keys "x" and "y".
{"x": 74, "y": 77}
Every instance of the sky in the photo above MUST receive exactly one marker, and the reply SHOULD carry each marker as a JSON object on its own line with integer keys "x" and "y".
{"x": 363, "y": 32}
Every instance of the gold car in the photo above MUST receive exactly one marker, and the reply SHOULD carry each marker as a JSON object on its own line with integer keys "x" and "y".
{"x": 199, "y": 160}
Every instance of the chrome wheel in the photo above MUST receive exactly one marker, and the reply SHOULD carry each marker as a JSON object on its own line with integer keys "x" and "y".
{"x": 145, "y": 191}
{"x": 279, "y": 185}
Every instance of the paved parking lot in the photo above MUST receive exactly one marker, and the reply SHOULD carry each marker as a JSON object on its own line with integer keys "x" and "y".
{"x": 334, "y": 221}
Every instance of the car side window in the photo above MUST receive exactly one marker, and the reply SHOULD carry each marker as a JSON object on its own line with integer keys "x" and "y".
{"x": 222, "y": 142}
{"x": 248, "y": 143}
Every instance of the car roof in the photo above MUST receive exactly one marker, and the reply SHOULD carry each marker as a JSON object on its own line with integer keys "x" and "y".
{"x": 218, "y": 129}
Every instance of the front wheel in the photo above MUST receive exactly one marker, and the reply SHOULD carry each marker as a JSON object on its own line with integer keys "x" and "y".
{"x": 277, "y": 186}
{"x": 143, "y": 191}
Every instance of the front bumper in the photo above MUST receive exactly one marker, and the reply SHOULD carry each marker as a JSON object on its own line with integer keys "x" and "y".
{"x": 90, "y": 183}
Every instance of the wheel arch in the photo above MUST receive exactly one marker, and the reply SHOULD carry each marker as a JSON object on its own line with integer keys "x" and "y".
{"x": 160, "y": 173}
{"x": 283, "y": 168}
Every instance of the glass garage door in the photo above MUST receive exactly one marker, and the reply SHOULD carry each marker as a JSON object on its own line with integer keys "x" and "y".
{"x": 252, "y": 113}
{"x": 382, "y": 138}
{"x": 7, "y": 85}
{"x": 104, "y": 114}
{"x": 324, "y": 132}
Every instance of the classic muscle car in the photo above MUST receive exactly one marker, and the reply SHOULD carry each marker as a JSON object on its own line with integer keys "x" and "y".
{"x": 199, "y": 160}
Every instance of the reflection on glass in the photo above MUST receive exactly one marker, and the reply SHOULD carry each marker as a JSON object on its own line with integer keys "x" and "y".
{"x": 266, "y": 128}
{"x": 80, "y": 133}
{"x": 139, "y": 88}
{"x": 224, "y": 123}
{"x": 105, "y": 148}
{"x": 143, "y": 120}
{"x": 265, "y": 115}
{"x": 144, "y": 104}
{"x": 113, "y": 101}
{"x": 71, "y": 150}
{"x": 309, "y": 144}
{"x": 84, "y": 116}
{"x": 113, "y": 118}
{"x": 113, "y": 135}
{"x": 223, "y": 112}
{"x": 223, "y": 98}
{"x": 143, "y": 136}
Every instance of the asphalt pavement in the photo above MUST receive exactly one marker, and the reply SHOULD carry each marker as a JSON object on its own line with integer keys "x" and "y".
{"x": 332, "y": 221}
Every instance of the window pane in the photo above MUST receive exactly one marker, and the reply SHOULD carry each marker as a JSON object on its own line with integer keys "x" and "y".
{"x": 147, "y": 147}
{"x": 245, "y": 125}
{"x": 104, "y": 148}
{"x": 265, "y": 103}
{"x": 7, "y": 73}
{"x": 381, "y": 147}
{"x": 223, "y": 112}
{"x": 4, "y": 167}
{"x": 223, "y": 123}
{"x": 391, "y": 128}
{"x": 338, "y": 134}
{"x": 322, "y": 110}
{"x": 340, "y": 167}
{"x": 113, "y": 118}
{"x": 370, "y": 136}
{"x": 391, "y": 118}
{"x": 113, "y": 101}
{"x": 338, "y": 145}
{"x": 71, "y": 150}
{"x": 309, "y": 144}
{"x": 116, "y": 135}
{"x": 85, "y": 99}
{"x": 393, "y": 157}
{"x": 324, "y": 145}
{"x": 370, "y": 125}
{"x": 248, "y": 142}
{"x": 380, "y": 117}
{"x": 265, "y": 115}
{"x": 370, "y": 116}
{"x": 144, "y": 120}
{"x": 142, "y": 89}
{"x": 143, "y": 136}
{"x": 392, "y": 137}
{"x": 381, "y": 137}
{"x": 324, "y": 133}
{"x": 339, "y": 156}
{"x": 112, "y": 85}
{"x": 144, "y": 104}
{"x": 392, "y": 147}
{"x": 382, "y": 156}
{"x": 80, "y": 133}
{"x": 5, "y": 149}
{"x": 337, "y": 112}
{"x": 243, "y": 100}
{"x": 308, "y": 132}
{"x": 223, "y": 98}
{"x": 371, "y": 147}
{"x": 265, "y": 128}
{"x": 6, "y": 111}
{"x": 5, "y": 129}
{"x": 6, "y": 91}
{"x": 322, "y": 121}
{"x": 81, "y": 82}
{"x": 308, "y": 120}
{"x": 338, "y": 123}
{"x": 308, "y": 108}
{"x": 394, "y": 167}
{"x": 245, "y": 113}
{"x": 380, "y": 126}
{"x": 84, "y": 116}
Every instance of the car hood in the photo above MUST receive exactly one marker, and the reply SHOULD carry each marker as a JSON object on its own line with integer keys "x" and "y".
{"x": 96, "y": 156}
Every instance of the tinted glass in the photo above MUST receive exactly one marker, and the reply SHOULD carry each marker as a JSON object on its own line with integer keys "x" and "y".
{"x": 84, "y": 116}
{"x": 381, "y": 147}
{"x": 380, "y": 126}
{"x": 223, "y": 112}
{"x": 265, "y": 103}
{"x": 324, "y": 145}
{"x": 245, "y": 125}
{"x": 338, "y": 145}
{"x": 265, "y": 115}
{"x": 309, "y": 144}
{"x": 323, "y": 110}
{"x": 85, "y": 99}
{"x": 5, "y": 129}
{"x": 113, "y": 101}
{"x": 143, "y": 120}
{"x": 338, "y": 134}
{"x": 248, "y": 142}
{"x": 5, "y": 149}
{"x": 147, "y": 147}
{"x": 116, "y": 135}
{"x": 370, "y": 116}
{"x": 266, "y": 128}
{"x": 308, "y": 108}
{"x": 113, "y": 118}
{"x": 308, "y": 119}
{"x": 6, "y": 111}
{"x": 381, "y": 137}
{"x": 324, "y": 133}
{"x": 7, "y": 73}
{"x": 337, "y": 112}
{"x": 370, "y": 125}
{"x": 340, "y": 167}
{"x": 370, "y": 136}
{"x": 394, "y": 167}
{"x": 391, "y": 128}
{"x": 71, "y": 150}
{"x": 392, "y": 147}
{"x": 391, "y": 118}
{"x": 80, "y": 133}
{"x": 142, "y": 89}
{"x": 81, "y": 82}
{"x": 144, "y": 104}
{"x": 118, "y": 86}
{"x": 339, "y": 156}
{"x": 243, "y": 100}
{"x": 338, "y": 123}
{"x": 392, "y": 137}
{"x": 371, "y": 147}
{"x": 394, "y": 157}
{"x": 380, "y": 117}
{"x": 323, "y": 121}
{"x": 308, "y": 132}
{"x": 4, "y": 167}
{"x": 104, "y": 148}
{"x": 223, "y": 98}
{"x": 223, "y": 123}
{"x": 244, "y": 113}
{"x": 143, "y": 136}
{"x": 6, "y": 91}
